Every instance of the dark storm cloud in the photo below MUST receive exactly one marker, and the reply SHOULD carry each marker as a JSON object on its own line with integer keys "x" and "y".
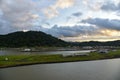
{"x": 104, "y": 23}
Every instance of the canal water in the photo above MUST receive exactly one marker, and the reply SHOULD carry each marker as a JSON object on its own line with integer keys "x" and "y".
{"x": 12, "y": 52}
{"x": 87, "y": 70}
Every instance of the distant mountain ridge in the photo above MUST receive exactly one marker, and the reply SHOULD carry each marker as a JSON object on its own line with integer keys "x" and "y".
{"x": 29, "y": 39}
{"x": 41, "y": 39}
{"x": 97, "y": 43}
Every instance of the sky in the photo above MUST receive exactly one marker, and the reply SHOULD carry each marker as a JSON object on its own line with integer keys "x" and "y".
{"x": 69, "y": 20}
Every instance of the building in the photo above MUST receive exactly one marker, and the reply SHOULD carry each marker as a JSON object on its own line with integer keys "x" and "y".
{"x": 27, "y": 50}
{"x": 75, "y": 54}
{"x": 67, "y": 55}
{"x": 81, "y": 54}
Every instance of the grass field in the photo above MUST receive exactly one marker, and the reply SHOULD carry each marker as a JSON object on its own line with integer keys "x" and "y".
{"x": 19, "y": 60}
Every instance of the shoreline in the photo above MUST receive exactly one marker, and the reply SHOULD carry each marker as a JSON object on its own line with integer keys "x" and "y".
{"x": 53, "y": 63}
{"x": 37, "y": 63}
{"x": 7, "y": 61}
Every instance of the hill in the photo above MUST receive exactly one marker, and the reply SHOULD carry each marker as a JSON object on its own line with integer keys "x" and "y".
{"x": 38, "y": 39}
{"x": 29, "y": 39}
{"x": 96, "y": 43}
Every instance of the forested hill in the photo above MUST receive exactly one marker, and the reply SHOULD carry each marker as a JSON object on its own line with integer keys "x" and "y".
{"x": 96, "y": 43}
{"x": 29, "y": 39}
{"x": 40, "y": 39}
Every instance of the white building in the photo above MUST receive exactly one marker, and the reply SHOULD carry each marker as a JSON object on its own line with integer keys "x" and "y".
{"x": 27, "y": 50}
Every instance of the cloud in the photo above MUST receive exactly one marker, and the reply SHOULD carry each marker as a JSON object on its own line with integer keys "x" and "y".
{"x": 4, "y": 27}
{"x": 71, "y": 31}
{"x": 93, "y": 5}
{"x": 52, "y": 10}
{"x": 82, "y": 33}
{"x": 23, "y": 14}
{"x": 91, "y": 38}
{"x": 64, "y": 4}
{"x": 77, "y": 14}
{"x": 85, "y": 2}
{"x": 96, "y": 6}
{"x": 110, "y": 6}
{"x": 16, "y": 15}
{"x": 98, "y": 29}
{"x": 113, "y": 24}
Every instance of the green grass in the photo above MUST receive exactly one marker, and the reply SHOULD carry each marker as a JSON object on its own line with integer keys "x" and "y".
{"x": 18, "y": 60}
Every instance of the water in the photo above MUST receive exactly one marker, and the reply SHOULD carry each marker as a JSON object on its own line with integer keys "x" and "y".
{"x": 11, "y": 52}
{"x": 88, "y": 70}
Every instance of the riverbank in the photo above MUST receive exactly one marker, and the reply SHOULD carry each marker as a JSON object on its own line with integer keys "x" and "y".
{"x": 20, "y": 60}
